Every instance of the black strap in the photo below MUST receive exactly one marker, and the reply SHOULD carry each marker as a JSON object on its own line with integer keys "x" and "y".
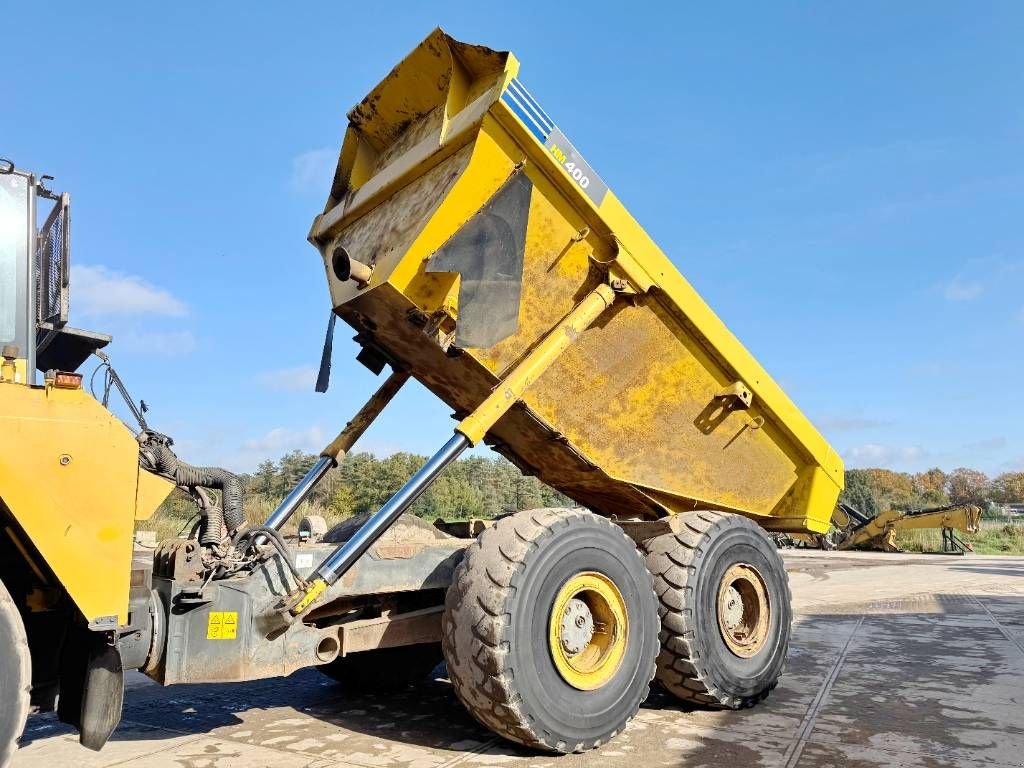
{"x": 323, "y": 380}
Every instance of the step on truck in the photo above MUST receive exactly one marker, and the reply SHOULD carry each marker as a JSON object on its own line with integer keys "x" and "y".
{"x": 471, "y": 247}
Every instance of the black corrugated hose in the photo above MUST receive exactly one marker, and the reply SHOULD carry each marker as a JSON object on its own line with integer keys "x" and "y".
{"x": 155, "y": 455}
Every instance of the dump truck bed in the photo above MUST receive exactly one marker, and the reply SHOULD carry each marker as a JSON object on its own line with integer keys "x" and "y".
{"x": 483, "y": 227}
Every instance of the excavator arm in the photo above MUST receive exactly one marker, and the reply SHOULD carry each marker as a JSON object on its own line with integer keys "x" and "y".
{"x": 879, "y": 532}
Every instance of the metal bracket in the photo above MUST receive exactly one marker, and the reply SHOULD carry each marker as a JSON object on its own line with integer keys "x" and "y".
{"x": 741, "y": 398}
{"x": 736, "y": 397}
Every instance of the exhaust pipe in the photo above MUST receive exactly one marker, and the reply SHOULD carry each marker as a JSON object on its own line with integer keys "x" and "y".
{"x": 346, "y": 268}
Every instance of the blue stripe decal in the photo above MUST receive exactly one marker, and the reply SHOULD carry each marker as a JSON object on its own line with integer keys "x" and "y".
{"x": 557, "y": 145}
{"x": 524, "y": 96}
{"x": 533, "y": 115}
{"x": 528, "y": 120}
{"x": 520, "y": 88}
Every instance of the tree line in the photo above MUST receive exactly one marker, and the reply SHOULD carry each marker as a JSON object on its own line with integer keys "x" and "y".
{"x": 877, "y": 490}
{"x": 481, "y": 487}
{"x": 473, "y": 487}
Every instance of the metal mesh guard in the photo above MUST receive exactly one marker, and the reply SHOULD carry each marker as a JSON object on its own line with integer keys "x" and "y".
{"x": 51, "y": 264}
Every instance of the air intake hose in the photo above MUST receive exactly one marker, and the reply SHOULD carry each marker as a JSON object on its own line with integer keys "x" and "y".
{"x": 155, "y": 455}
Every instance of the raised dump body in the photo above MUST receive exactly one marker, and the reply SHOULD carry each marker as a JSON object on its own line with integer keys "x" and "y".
{"x": 462, "y": 226}
{"x": 474, "y": 249}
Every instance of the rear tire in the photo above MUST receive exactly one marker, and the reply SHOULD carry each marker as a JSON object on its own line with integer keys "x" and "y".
{"x": 15, "y": 676}
{"x": 720, "y": 648}
{"x": 384, "y": 670}
{"x": 550, "y": 629}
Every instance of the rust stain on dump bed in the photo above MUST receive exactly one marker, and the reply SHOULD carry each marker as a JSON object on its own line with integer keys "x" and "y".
{"x": 639, "y": 416}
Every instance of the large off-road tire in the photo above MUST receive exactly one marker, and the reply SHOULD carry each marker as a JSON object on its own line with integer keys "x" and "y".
{"x": 725, "y": 611}
{"x": 550, "y": 629}
{"x": 15, "y": 676}
{"x": 386, "y": 669}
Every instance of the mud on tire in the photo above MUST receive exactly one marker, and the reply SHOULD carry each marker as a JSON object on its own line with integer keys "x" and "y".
{"x": 690, "y": 567}
{"x": 495, "y": 629}
{"x": 15, "y": 676}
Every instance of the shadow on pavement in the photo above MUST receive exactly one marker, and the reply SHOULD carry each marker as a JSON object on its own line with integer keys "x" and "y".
{"x": 925, "y": 679}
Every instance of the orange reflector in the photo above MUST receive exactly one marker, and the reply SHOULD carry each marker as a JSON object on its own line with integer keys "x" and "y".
{"x": 67, "y": 380}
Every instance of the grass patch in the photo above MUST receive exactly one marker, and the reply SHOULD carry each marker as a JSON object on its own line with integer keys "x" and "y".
{"x": 174, "y": 519}
{"x": 990, "y": 540}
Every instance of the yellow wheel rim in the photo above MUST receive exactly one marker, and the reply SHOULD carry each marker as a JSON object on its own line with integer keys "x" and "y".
{"x": 744, "y": 610}
{"x": 587, "y": 630}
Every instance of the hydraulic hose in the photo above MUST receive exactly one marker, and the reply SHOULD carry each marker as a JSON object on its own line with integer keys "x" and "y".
{"x": 157, "y": 454}
{"x": 211, "y": 525}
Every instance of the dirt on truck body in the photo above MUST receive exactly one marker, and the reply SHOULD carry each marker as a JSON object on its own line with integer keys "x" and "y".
{"x": 473, "y": 249}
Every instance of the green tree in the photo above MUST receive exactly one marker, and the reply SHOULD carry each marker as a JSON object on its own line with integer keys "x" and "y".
{"x": 342, "y": 503}
{"x": 291, "y": 469}
{"x": 858, "y": 493}
{"x": 966, "y": 486}
{"x": 930, "y": 488}
{"x": 264, "y": 478}
{"x": 473, "y": 487}
{"x": 891, "y": 490}
{"x": 1007, "y": 488}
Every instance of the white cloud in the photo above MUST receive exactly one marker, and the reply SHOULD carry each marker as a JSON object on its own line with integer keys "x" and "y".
{"x": 313, "y": 171}
{"x": 225, "y": 448}
{"x": 959, "y": 289}
{"x": 281, "y": 440}
{"x": 157, "y": 343}
{"x": 877, "y": 455}
{"x": 271, "y": 445}
{"x": 299, "y": 379}
{"x": 97, "y": 291}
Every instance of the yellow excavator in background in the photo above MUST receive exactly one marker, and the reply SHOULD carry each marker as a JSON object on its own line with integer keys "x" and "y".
{"x": 852, "y": 529}
{"x": 857, "y": 531}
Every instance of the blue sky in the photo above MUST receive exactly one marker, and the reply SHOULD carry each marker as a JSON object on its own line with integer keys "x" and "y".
{"x": 844, "y": 183}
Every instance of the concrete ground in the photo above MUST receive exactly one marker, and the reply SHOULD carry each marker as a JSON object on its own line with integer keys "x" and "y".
{"x": 896, "y": 660}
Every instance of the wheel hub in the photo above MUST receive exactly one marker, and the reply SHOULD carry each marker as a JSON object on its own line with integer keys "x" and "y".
{"x": 744, "y": 611}
{"x": 587, "y": 630}
{"x": 733, "y": 608}
{"x": 577, "y": 628}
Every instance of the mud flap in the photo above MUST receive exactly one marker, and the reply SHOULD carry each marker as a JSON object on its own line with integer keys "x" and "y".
{"x": 92, "y": 692}
{"x": 103, "y": 697}
{"x": 487, "y": 251}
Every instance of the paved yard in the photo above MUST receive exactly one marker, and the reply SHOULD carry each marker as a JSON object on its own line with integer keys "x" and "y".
{"x": 897, "y": 660}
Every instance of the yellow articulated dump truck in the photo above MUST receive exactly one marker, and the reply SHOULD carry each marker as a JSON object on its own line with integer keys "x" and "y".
{"x": 472, "y": 248}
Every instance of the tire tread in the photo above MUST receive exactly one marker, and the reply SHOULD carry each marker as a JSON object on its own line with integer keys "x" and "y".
{"x": 20, "y": 699}
{"x": 478, "y": 663}
{"x": 673, "y": 560}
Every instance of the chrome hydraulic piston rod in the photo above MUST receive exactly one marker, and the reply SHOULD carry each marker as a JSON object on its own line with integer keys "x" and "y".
{"x": 299, "y": 493}
{"x": 332, "y": 455}
{"x": 470, "y": 431}
{"x": 342, "y": 558}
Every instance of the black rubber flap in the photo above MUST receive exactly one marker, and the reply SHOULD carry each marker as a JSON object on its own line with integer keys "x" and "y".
{"x": 488, "y": 252}
{"x": 102, "y": 697}
{"x": 323, "y": 379}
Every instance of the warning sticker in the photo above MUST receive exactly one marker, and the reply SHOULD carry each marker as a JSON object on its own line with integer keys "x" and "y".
{"x": 222, "y": 625}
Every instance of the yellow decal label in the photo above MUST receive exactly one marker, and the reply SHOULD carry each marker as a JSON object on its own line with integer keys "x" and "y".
{"x": 222, "y": 625}
{"x": 313, "y": 591}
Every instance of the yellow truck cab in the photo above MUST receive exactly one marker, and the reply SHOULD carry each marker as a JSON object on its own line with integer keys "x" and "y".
{"x": 70, "y": 484}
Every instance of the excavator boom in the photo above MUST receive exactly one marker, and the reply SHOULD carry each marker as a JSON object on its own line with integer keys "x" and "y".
{"x": 880, "y": 532}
